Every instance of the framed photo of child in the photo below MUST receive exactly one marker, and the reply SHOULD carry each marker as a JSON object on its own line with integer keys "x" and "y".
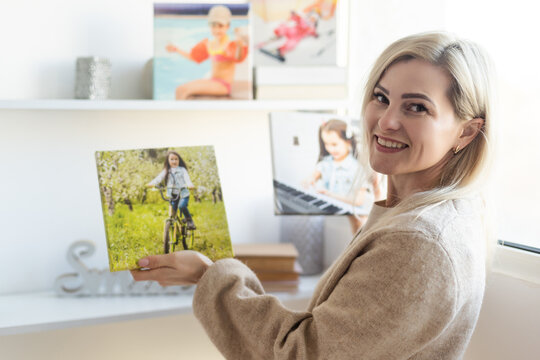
{"x": 295, "y": 32}
{"x": 201, "y": 51}
{"x": 316, "y": 168}
{"x": 157, "y": 201}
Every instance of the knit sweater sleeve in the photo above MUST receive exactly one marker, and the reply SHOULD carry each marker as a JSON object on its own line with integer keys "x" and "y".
{"x": 394, "y": 298}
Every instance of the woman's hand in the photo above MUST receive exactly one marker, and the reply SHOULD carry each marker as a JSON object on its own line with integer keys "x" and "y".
{"x": 179, "y": 268}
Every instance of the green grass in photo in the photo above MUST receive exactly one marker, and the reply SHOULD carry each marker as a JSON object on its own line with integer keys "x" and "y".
{"x": 135, "y": 234}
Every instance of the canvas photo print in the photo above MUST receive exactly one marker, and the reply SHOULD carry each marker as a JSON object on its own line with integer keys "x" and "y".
{"x": 315, "y": 166}
{"x": 201, "y": 51}
{"x": 157, "y": 201}
{"x": 295, "y": 32}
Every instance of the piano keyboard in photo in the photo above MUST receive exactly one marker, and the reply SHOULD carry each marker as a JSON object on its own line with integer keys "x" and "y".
{"x": 291, "y": 200}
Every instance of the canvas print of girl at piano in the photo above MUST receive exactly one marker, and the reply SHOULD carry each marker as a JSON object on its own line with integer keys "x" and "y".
{"x": 316, "y": 168}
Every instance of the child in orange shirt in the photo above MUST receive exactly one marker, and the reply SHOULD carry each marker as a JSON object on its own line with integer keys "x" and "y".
{"x": 223, "y": 53}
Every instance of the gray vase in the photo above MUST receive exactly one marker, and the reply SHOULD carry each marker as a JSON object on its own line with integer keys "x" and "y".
{"x": 92, "y": 78}
{"x": 307, "y": 235}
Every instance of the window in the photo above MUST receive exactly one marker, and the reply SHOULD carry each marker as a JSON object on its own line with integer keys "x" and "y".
{"x": 509, "y": 32}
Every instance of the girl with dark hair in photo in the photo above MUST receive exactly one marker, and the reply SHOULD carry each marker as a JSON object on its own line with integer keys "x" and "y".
{"x": 338, "y": 167}
{"x": 175, "y": 176}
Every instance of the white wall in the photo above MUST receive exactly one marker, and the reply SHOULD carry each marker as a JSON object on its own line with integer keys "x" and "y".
{"x": 41, "y": 41}
{"x": 509, "y": 323}
{"x": 376, "y": 24}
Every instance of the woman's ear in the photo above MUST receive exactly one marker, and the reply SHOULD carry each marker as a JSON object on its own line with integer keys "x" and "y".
{"x": 470, "y": 130}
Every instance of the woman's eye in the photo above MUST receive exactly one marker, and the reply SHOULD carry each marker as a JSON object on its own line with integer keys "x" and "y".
{"x": 418, "y": 108}
{"x": 380, "y": 98}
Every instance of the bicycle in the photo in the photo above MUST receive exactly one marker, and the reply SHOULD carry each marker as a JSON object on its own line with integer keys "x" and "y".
{"x": 176, "y": 228}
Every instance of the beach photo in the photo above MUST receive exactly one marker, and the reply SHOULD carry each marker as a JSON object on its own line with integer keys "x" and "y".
{"x": 201, "y": 51}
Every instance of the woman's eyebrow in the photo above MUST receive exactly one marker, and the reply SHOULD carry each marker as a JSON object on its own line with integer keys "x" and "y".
{"x": 407, "y": 95}
{"x": 417, "y": 95}
{"x": 383, "y": 89}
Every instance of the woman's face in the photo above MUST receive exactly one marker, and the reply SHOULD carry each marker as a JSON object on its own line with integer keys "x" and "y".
{"x": 411, "y": 122}
{"x": 174, "y": 161}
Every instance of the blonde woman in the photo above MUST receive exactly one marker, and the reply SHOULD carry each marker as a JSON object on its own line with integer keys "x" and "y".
{"x": 410, "y": 284}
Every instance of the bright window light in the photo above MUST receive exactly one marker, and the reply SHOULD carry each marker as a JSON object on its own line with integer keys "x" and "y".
{"x": 509, "y": 32}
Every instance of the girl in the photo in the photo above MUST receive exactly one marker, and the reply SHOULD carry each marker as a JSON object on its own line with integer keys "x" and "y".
{"x": 223, "y": 52}
{"x": 300, "y": 25}
{"x": 294, "y": 30}
{"x": 337, "y": 166}
{"x": 176, "y": 177}
{"x": 337, "y": 169}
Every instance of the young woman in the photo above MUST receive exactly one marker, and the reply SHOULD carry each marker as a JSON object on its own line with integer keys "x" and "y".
{"x": 410, "y": 284}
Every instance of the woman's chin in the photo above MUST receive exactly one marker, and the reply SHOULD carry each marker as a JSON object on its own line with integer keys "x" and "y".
{"x": 382, "y": 167}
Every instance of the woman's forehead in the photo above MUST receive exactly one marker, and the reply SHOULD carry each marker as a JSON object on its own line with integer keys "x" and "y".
{"x": 415, "y": 76}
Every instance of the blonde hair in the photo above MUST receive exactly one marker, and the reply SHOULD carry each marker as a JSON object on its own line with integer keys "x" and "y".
{"x": 470, "y": 94}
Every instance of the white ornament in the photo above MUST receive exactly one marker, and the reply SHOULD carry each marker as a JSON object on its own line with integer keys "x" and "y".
{"x": 94, "y": 282}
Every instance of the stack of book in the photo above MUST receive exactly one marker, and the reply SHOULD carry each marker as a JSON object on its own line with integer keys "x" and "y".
{"x": 274, "y": 264}
{"x": 297, "y": 82}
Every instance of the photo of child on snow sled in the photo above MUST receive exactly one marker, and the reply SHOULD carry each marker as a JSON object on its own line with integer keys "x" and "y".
{"x": 295, "y": 32}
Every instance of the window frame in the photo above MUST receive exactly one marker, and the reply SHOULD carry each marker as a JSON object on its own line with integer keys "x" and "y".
{"x": 513, "y": 260}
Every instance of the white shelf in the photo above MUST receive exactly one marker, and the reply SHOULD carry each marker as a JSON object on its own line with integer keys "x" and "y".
{"x": 32, "y": 312}
{"x": 211, "y": 105}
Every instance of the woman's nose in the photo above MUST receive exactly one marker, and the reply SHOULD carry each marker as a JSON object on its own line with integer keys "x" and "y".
{"x": 389, "y": 119}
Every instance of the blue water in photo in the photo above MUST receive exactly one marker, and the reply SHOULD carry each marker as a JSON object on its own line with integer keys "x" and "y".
{"x": 171, "y": 70}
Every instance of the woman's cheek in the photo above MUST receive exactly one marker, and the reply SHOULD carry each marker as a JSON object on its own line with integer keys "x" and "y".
{"x": 371, "y": 114}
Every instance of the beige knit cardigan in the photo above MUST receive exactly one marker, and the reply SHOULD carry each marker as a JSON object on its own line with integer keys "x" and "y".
{"x": 411, "y": 291}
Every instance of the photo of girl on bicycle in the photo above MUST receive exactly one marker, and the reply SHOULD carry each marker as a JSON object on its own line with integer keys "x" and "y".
{"x": 176, "y": 177}
{"x": 158, "y": 201}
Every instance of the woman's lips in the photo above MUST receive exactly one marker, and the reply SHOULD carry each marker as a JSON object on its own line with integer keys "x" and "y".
{"x": 388, "y": 150}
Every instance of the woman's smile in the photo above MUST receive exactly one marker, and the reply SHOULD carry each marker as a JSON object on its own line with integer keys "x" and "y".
{"x": 386, "y": 145}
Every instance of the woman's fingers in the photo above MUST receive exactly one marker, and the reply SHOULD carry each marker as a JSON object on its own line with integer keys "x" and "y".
{"x": 157, "y": 261}
{"x": 145, "y": 275}
{"x": 164, "y": 276}
{"x": 179, "y": 268}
